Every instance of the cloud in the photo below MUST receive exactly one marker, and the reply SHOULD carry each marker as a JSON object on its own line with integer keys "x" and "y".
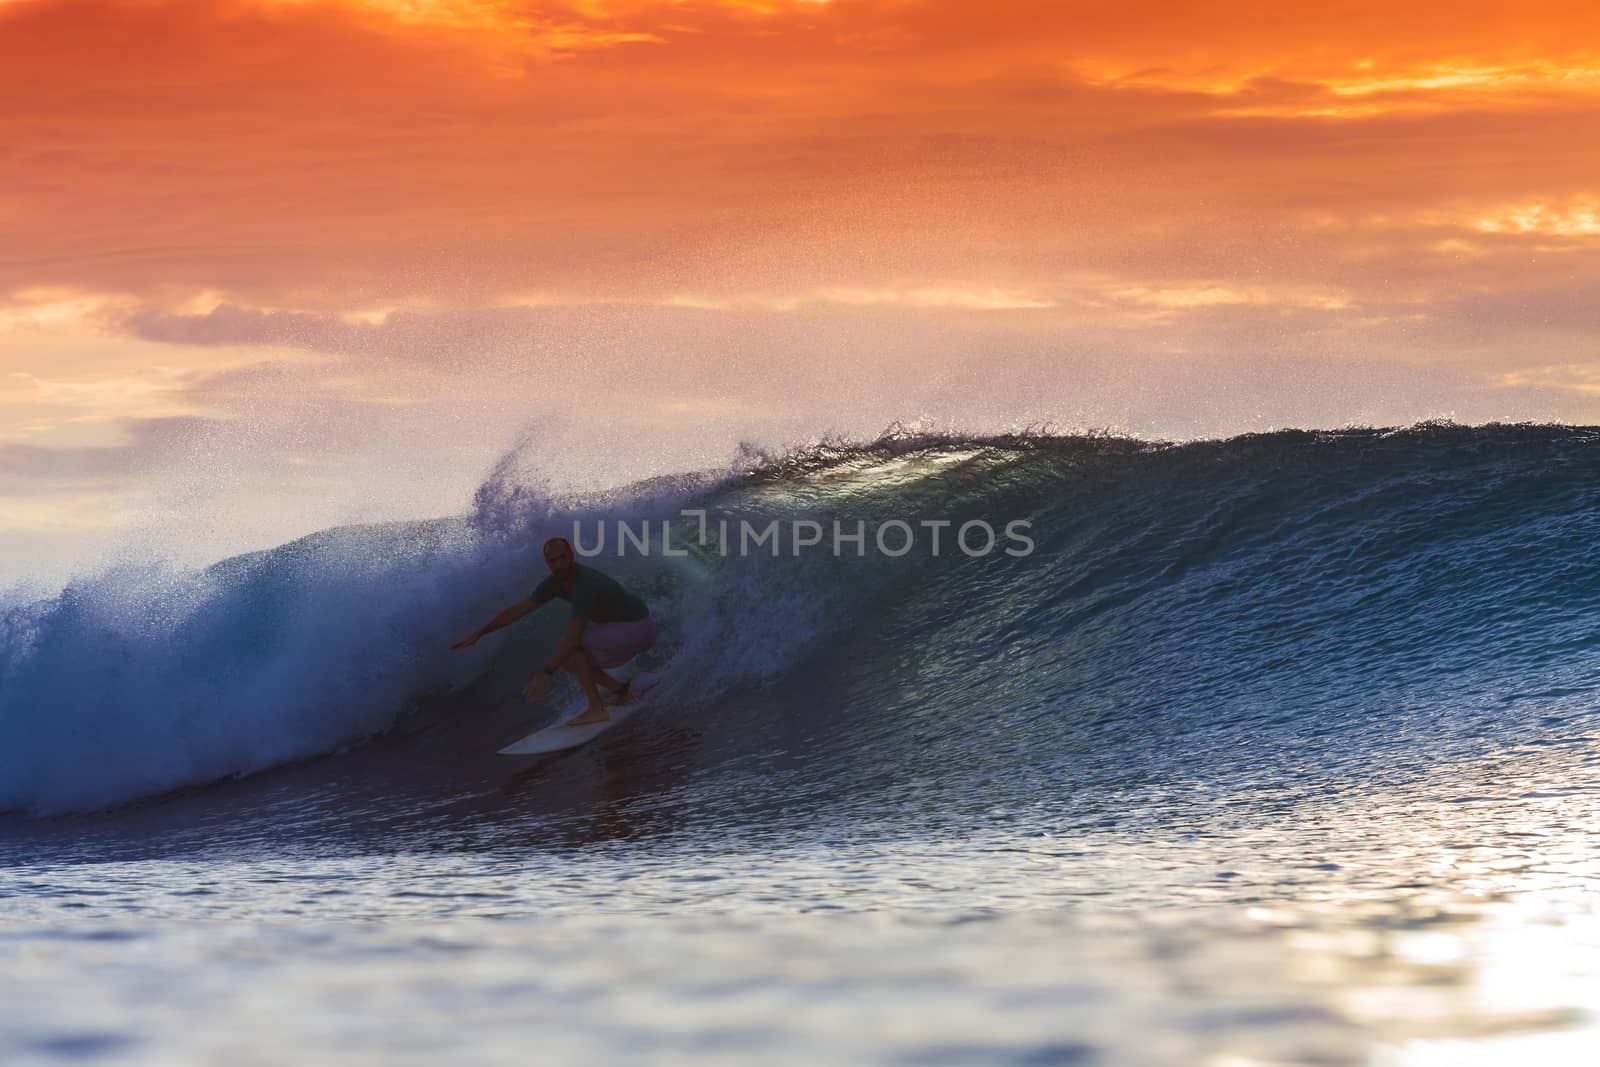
{"x": 154, "y": 391}
{"x": 1580, "y": 378}
{"x": 336, "y": 156}
{"x": 377, "y": 239}
{"x": 148, "y": 442}
{"x": 229, "y": 324}
{"x": 1577, "y": 220}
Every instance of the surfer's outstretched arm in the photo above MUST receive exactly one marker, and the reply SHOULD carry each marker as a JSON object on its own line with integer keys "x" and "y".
{"x": 502, "y": 620}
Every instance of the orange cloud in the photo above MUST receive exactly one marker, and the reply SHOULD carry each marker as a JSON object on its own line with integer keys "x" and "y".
{"x": 362, "y": 223}
{"x": 1580, "y": 219}
{"x": 341, "y": 156}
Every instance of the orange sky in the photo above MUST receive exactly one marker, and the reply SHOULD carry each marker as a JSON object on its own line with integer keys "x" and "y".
{"x": 764, "y": 215}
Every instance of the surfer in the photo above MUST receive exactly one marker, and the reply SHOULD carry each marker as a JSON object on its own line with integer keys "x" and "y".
{"x": 609, "y": 627}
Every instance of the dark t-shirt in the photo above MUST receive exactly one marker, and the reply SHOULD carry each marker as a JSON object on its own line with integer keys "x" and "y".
{"x": 596, "y": 597}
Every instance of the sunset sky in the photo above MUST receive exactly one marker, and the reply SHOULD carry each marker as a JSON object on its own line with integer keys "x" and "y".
{"x": 268, "y": 266}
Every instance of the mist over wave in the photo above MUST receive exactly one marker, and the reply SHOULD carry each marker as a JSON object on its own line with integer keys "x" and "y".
{"x": 1295, "y": 604}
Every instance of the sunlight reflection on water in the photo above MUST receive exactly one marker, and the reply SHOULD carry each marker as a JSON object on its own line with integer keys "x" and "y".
{"x": 1308, "y": 942}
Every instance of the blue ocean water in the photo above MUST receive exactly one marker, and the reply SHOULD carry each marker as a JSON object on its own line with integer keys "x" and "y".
{"x": 1277, "y": 749}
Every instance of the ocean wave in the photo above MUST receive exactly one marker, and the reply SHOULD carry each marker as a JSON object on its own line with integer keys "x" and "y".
{"x": 1297, "y": 602}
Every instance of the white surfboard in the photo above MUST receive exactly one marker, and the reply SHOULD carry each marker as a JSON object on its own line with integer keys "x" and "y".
{"x": 560, "y": 737}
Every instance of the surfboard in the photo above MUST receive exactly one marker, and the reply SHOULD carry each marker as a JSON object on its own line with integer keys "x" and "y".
{"x": 560, "y": 737}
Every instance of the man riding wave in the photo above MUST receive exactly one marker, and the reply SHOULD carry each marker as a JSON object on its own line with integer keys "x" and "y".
{"x": 609, "y": 627}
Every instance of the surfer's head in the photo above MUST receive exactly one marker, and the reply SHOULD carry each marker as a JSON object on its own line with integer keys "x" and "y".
{"x": 559, "y": 557}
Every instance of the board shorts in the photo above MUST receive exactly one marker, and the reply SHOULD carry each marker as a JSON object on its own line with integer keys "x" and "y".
{"x": 611, "y": 644}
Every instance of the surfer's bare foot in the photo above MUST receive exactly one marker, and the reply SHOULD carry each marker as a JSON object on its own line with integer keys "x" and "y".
{"x": 595, "y": 713}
